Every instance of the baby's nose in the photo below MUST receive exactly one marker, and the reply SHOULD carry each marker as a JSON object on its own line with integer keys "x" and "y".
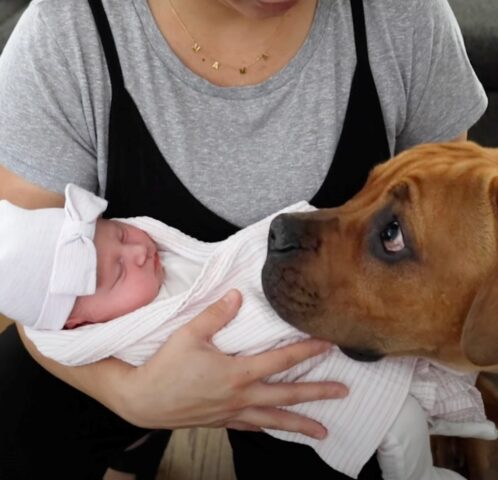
{"x": 138, "y": 253}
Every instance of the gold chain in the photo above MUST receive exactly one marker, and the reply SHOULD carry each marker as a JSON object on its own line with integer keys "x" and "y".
{"x": 216, "y": 64}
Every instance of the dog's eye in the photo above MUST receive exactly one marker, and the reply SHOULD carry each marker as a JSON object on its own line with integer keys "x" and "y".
{"x": 392, "y": 237}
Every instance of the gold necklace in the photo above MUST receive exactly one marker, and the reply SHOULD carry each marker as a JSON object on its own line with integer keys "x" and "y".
{"x": 216, "y": 64}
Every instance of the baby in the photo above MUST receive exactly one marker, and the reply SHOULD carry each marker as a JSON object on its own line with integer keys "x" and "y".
{"x": 69, "y": 267}
{"x": 74, "y": 267}
{"x": 129, "y": 274}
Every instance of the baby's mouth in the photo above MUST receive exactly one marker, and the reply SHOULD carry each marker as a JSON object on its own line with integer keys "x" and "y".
{"x": 158, "y": 268}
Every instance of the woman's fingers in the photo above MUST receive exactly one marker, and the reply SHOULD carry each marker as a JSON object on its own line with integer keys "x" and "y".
{"x": 216, "y": 316}
{"x": 280, "y": 394}
{"x": 275, "y": 361}
{"x": 279, "y": 419}
{"x": 188, "y": 382}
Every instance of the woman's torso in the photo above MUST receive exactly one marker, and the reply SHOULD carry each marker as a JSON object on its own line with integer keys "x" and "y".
{"x": 244, "y": 152}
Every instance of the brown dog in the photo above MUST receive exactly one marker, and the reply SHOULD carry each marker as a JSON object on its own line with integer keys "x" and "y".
{"x": 408, "y": 266}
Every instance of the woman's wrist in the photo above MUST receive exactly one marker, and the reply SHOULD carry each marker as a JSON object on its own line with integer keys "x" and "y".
{"x": 124, "y": 391}
{"x": 107, "y": 381}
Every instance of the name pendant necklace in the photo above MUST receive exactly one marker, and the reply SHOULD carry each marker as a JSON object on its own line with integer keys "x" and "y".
{"x": 216, "y": 64}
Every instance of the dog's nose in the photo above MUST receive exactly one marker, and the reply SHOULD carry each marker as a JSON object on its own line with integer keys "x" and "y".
{"x": 288, "y": 233}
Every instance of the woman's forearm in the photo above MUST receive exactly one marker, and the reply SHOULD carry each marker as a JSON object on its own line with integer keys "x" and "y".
{"x": 25, "y": 194}
{"x": 104, "y": 380}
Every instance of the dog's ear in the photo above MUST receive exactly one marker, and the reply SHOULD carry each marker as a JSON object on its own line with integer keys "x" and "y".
{"x": 479, "y": 339}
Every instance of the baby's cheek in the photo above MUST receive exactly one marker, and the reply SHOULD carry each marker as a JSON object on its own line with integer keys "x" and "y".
{"x": 150, "y": 289}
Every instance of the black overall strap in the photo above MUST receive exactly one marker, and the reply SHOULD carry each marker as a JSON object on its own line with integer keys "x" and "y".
{"x": 110, "y": 51}
{"x": 139, "y": 179}
{"x": 363, "y": 142}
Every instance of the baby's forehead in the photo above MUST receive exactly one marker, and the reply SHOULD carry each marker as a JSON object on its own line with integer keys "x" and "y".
{"x": 108, "y": 224}
{"x": 106, "y": 221}
{"x": 106, "y": 230}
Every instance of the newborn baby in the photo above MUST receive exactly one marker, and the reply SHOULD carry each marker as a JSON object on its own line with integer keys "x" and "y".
{"x": 68, "y": 267}
{"x": 129, "y": 274}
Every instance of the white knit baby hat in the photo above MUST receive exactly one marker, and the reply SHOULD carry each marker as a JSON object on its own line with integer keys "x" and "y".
{"x": 47, "y": 258}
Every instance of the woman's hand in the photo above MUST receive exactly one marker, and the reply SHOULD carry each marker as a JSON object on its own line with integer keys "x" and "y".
{"x": 191, "y": 383}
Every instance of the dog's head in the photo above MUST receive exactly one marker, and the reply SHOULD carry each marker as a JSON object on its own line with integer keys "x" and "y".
{"x": 408, "y": 266}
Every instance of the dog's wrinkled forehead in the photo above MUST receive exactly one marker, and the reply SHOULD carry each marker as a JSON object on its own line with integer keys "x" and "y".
{"x": 465, "y": 172}
{"x": 445, "y": 161}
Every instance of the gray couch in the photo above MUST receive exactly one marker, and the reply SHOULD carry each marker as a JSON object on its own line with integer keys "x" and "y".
{"x": 10, "y": 11}
{"x": 478, "y": 20}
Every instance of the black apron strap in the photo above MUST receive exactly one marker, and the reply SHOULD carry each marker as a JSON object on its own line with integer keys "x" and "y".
{"x": 139, "y": 179}
{"x": 363, "y": 142}
{"x": 360, "y": 34}
{"x": 108, "y": 44}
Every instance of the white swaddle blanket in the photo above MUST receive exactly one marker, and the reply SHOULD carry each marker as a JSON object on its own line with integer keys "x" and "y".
{"x": 356, "y": 424}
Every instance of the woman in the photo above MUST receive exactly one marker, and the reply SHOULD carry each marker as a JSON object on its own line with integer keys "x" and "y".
{"x": 208, "y": 115}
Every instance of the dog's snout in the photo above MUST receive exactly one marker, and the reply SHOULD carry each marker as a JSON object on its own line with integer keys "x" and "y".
{"x": 288, "y": 233}
{"x": 283, "y": 235}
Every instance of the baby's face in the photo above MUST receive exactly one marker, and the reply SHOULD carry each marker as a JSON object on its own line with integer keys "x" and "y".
{"x": 129, "y": 274}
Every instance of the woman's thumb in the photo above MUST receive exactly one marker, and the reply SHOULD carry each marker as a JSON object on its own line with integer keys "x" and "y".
{"x": 217, "y": 315}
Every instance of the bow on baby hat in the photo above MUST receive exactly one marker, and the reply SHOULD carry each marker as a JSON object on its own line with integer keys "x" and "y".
{"x": 48, "y": 258}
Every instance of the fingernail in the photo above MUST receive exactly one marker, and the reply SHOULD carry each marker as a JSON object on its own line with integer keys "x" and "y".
{"x": 342, "y": 392}
{"x": 324, "y": 345}
{"x": 320, "y": 434}
{"x": 230, "y": 297}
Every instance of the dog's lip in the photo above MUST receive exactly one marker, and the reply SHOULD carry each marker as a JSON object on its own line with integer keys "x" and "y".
{"x": 362, "y": 355}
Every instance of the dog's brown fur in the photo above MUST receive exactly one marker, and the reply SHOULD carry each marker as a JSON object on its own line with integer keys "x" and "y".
{"x": 438, "y": 298}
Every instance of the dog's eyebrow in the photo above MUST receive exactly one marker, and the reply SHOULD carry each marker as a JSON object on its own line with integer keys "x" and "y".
{"x": 401, "y": 192}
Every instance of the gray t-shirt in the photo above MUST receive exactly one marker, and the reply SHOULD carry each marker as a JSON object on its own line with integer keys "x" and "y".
{"x": 244, "y": 152}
